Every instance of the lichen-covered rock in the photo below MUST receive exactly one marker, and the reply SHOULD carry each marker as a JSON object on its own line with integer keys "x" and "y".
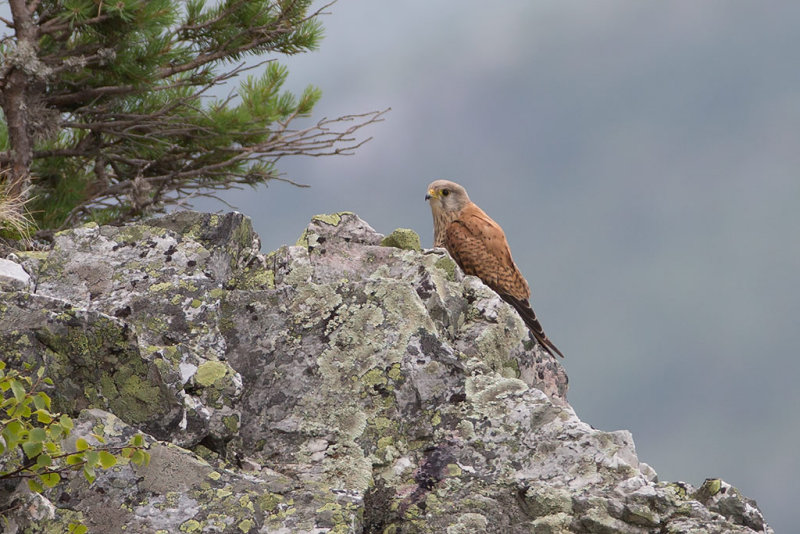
{"x": 337, "y": 385}
{"x": 402, "y": 238}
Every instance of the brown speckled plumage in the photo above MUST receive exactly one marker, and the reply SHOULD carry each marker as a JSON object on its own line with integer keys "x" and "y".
{"x": 479, "y": 247}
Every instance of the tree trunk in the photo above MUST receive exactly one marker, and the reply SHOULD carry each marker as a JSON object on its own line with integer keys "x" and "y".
{"x": 14, "y": 100}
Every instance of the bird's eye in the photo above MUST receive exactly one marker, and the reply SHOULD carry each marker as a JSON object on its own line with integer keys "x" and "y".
{"x": 445, "y": 192}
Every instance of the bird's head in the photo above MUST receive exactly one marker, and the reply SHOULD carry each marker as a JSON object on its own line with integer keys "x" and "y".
{"x": 447, "y": 196}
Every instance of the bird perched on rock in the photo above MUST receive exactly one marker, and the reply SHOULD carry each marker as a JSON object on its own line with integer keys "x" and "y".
{"x": 479, "y": 246}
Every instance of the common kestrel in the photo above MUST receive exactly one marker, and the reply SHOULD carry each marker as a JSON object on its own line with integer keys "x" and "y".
{"x": 479, "y": 246}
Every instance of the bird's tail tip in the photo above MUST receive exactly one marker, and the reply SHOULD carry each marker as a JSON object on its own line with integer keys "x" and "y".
{"x": 552, "y": 349}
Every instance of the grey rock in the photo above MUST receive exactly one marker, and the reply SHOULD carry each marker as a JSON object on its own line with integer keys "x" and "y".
{"x": 12, "y": 275}
{"x": 336, "y": 385}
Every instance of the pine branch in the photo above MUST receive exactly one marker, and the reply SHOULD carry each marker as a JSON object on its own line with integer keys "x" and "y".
{"x": 107, "y": 103}
{"x": 320, "y": 139}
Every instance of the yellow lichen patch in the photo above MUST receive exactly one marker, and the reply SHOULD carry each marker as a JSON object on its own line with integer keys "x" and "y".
{"x": 402, "y": 238}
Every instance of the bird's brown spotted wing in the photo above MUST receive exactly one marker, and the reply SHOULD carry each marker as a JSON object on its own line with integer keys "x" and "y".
{"x": 479, "y": 246}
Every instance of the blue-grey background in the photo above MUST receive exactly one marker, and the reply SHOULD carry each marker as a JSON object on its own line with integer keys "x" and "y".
{"x": 644, "y": 160}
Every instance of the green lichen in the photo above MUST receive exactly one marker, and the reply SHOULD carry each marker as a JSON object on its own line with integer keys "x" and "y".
{"x": 60, "y": 525}
{"x": 32, "y": 254}
{"x": 171, "y": 499}
{"x": 712, "y": 486}
{"x": 187, "y": 285}
{"x": 139, "y": 399}
{"x": 436, "y": 420}
{"x": 137, "y": 233}
{"x": 246, "y": 503}
{"x": 161, "y": 287}
{"x": 302, "y": 241}
{"x": 381, "y": 424}
{"x": 543, "y": 500}
{"x": 677, "y": 490}
{"x": 268, "y": 502}
{"x": 217, "y": 293}
{"x": 332, "y": 219}
{"x": 243, "y": 234}
{"x": 448, "y": 266}
{"x": 402, "y": 238}
{"x": 385, "y": 441}
{"x": 191, "y": 526}
{"x": 210, "y": 373}
{"x": 395, "y": 373}
{"x": 98, "y": 357}
{"x": 374, "y": 377}
{"x": 709, "y": 488}
{"x": 453, "y": 470}
{"x": 245, "y": 525}
{"x": 253, "y": 278}
{"x": 231, "y": 423}
{"x": 213, "y": 475}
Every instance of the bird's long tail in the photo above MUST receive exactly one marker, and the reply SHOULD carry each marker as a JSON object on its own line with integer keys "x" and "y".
{"x": 528, "y": 316}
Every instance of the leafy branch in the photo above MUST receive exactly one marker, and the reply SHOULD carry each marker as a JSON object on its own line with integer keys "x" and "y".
{"x": 32, "y": 437}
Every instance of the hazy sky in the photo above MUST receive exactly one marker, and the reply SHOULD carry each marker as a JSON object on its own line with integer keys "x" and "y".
{"x": 643, "y": 158}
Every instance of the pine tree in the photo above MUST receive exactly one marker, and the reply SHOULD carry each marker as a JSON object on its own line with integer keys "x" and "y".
{"x": 106, "y": 106}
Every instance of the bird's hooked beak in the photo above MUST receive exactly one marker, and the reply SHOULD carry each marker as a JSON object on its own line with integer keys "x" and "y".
{"x": 431, "y": 194}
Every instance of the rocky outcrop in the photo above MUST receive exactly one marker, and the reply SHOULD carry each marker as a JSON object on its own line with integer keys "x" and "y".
{"x": 349, "y": 383}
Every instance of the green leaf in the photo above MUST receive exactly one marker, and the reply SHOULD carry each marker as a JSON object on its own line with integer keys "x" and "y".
{"x": 18, "y": 390}
{"x": 50, "y": 479}
{"x": 137, "y": 440}
{"x": 107, "y": 459}
{"x": 22, "y": 410}
{"x": 44, "y": 460}
{"x": 99, "y": 438}
{"x": 77, "y": 528}
{"x": 92, "y": 458}
{"x": 42, "y": 401}
{"x": 40, "y": 372}
{"x": 81, "y": 444}
{"x": 48, "y": 381}
{"x": 74, "y": 459}
{"x": 43, "y": 416}
{"x": 88, "y": 473}
{"x": 140, "y": 457}
{"x": 56, "y": 431}
{"x": 31, "y": 449}
{"x": 12, "y": 433}
{"x": 37, "y": 435}
{"x": 34, "y": 485}
{"x": 66, "y": 422}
